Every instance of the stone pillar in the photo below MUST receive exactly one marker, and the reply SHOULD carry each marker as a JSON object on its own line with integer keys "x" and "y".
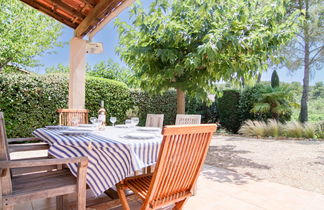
{"x": 77, "y": 73}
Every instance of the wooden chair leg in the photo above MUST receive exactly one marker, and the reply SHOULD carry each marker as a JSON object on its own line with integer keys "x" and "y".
{"x": 179, "y": 205}
{"x": 122, "y": 197}
{"x": 62, "y": 202}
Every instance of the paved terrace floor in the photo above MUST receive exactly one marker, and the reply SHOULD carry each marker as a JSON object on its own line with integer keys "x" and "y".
{"x": 227, "y": 190}
{"x": 221, "y": 189}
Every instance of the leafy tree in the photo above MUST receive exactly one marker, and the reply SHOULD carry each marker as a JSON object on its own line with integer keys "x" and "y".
{"x": 307, "y": 49}
{"x": 274, "y": 79}
{"x": 60, "y": 68}
{"x": 278, "y": 101}
{"x": 24, "y": 34}
{"x": 107, "y": 70}
{"x": 318, "y": 90}
{"x": 190, "y": 44}
{"x": 112, "y": 70}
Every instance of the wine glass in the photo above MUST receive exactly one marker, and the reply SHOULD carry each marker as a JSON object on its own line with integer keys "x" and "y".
{"x": 113, "y": 120}
{"x": 128, "y": 123}
{"x": 93, "y": 120}
{"x": 135, "y": 121}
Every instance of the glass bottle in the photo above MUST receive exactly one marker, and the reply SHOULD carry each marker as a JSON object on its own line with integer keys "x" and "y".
{"x": 102, "y": 116}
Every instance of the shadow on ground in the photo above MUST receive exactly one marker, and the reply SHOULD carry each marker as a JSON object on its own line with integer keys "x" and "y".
{"x": 227, "y": 157}
{"x": 225, "y": 176}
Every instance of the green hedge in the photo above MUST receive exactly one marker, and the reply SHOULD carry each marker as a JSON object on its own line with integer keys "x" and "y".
{"x": 156, "y": 104}
{"x": 31, "y": 101}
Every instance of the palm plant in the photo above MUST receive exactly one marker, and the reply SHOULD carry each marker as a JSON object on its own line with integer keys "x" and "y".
{"x": 278, "y": 101}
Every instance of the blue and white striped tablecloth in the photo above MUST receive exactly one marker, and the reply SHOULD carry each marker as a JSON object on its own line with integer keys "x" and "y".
{"x": 111, "y": 156}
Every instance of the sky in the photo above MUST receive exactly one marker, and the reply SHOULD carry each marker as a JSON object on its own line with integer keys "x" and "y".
{"x": 109, "y": 37}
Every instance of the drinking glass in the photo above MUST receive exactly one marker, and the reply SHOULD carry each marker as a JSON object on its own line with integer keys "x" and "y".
{"x": 113, "y": 120}
{"x": 135, "y": 121}
{"x": 93, "y": 120}
{"x": 128, "y": 123}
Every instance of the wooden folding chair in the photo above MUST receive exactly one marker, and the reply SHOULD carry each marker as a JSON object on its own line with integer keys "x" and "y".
{"x": 188, "y": 119}
{"x": 154, "y": 120}
{"x": 66, "y": 116}
{"x": 182, "y": 154}
{"x": 26, "y": 180}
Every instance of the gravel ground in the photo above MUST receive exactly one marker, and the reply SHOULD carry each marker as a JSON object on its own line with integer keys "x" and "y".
{"x": 296, "y": 163}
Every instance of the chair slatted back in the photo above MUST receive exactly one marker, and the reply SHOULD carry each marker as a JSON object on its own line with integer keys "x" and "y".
{"x": 6, "y": 185}
{"x": 66, "y": 116}
{"x": 154, "y": 120}
{"x": 188, "y": 119}
{"x": 182, "y": 154}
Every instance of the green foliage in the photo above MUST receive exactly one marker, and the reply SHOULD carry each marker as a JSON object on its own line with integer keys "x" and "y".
{"x": 249, "y": 97}
{"x": 274, "y": 79}
{"x": 229, "y": 113}
{"x": 189, "y": 44}
{"x": 24, "y": 34}
{"x": 156, "y": 104}
{"x": 209, "y": 112}
{"x": 31, "y": 101}
{"x": 107, "y": 70}
{"x": 277, "y": 101}
{"x": 111, "y": 70}
{"x": 116, "y": 97}
{"x": 317, "y": 91}
{"x": 60, "y": 68}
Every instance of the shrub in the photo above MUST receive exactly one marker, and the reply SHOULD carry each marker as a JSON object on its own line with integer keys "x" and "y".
{"x": 156, "y": 104}
{"x": 209, "y": 113}
{"x": 248, "y": 98}
{"x": 294, "y": 129}
{"x": 253, "y": 128}
{"x": 31, "y": 101}
{"x": 228, "y": 110}
{"x": 319, "y": 130}
{"x": 259, "y": 97}
{"x": 273, "y": 128}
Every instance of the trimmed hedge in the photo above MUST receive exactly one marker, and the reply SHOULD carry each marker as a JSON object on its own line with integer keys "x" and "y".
{"x": 229, "y": 112}
{"x": 31, "y": 101}
{"x": 155, "y": 104}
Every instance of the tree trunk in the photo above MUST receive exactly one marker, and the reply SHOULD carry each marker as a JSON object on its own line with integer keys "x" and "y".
{"x": 303, "y": 115}
{"x": 181, "y": 102}
{"x": 242, "y": 82}
{"x": 259, "y": 78}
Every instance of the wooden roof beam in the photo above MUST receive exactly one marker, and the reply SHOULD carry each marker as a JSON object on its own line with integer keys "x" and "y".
{"x": 91, "y": 18}
{"x": 69, "y": 9}
{"x": 48, "y": 11}
{"x": 90, "y": 3}
{"x": 110, "y": 16}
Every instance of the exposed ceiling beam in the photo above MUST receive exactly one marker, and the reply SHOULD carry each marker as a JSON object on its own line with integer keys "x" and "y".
{"x": 69, "y": 9}
{"x": 111, "y": 16}
{"x": 50, "y": 12}
{"x": 92, "y": 18}
{"x": 91, "y": 3}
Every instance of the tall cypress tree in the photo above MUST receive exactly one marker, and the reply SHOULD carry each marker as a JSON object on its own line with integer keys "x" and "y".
{"x": 274, "y": 79}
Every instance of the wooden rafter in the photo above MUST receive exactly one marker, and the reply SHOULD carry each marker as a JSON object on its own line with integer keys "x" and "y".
{"x": 50, "y": 12}
{"x": 69, "y": 9}
{"x": 85, "y": 16}
{"x": 110, "y": 16}
{"x": 91, "y": 18}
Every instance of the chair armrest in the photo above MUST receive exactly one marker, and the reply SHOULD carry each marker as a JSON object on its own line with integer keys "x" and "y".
{"x": 41, "y": 162}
